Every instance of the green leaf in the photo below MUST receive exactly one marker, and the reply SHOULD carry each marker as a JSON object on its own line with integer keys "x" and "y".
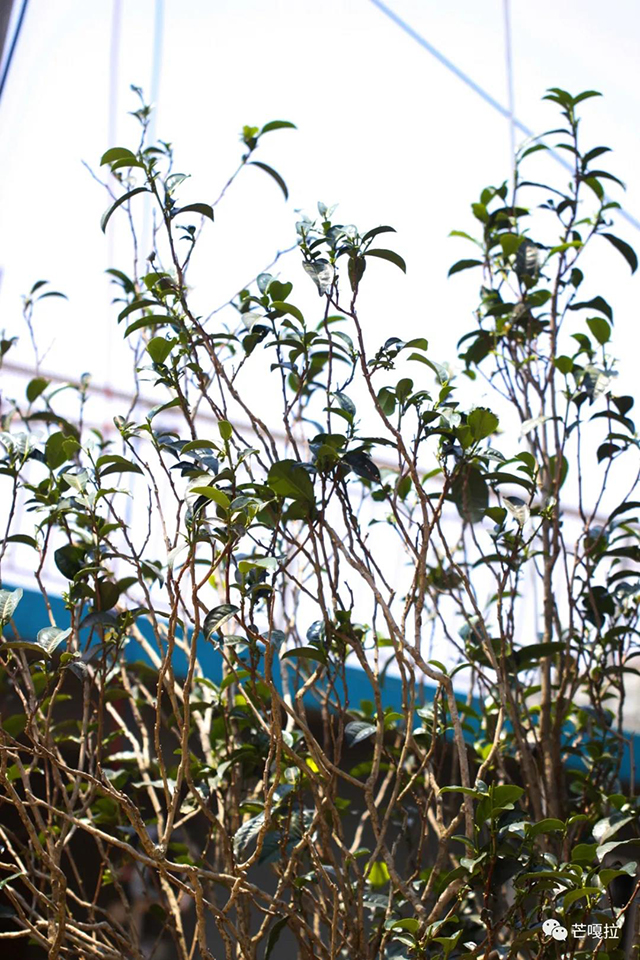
{"x": 608, "y": 874}
{"x": 35, "y": 387}
{"x": 464, "y": 265}
{"x": 23, "y": 538}
{"x": 534, "y": 652}
{"x": 584, "y": 852}
{"x": 9, "y": 600}
{"x": 574, "y": 895}
{"x": 204, "y": 209}
{"x": 287, "y": 308}
{"x": 288, "y": 479}
{"x": 247, "y": 833}
{"x": 307, "y": 653}
{"x": 470, "y": 494}
{"x": 226, "y": 430}
{"x": 217, "y": 617}
{"x": 362, "y": 465}
{"x": 346, "y": 404}
{"x": 389, "y": 255}
{"x": 279, "y": 291}
{"x": 409, "y": 923}
{"x": 600, "y": 329}
{"x": 260, "y": 563}
{"x": 468, "y": 791}
{"x": 24, "y": 645}
{"x": 279, "y": 925}
{"x": 358, "y": 730}
{"x": 69, "y": 560}
{"x": 54, "y": 452}
{"x": 114, "y": 206}
{"x": 510, "y": 243}
{"x": 136, "y": 305}
{"x": 596, "y": 186}
{"x": 596, "y": 303}
{"x": 116, "y": 153}
{"x": 212, "y": 493}
{"x": 548, "y": 825}
{"x": 564, "y": 469}
{"x": 277, "y": 125}
{"x": 586, "y": 96}
{"x": 370, "y": 234}
{"x": 563, "y": 364}
{"x": 627, "y": 252}
{"x": 51, "y": 637}
{"x": 356, "y": 268}
{"x": 606, "y": 848}
{"x": 114, "y": 463}
{"x": 506, "y": 793}
{"x": 148, "y": 322}
{"x": 482, "y": 423}
{"x": 162, "y": 406}
{"x": 272, "y": 173}
{"x": 159, "y": 348}
{"x": 379, "y": 874}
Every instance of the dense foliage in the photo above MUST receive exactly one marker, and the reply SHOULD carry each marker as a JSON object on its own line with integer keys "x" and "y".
{"x": 186, "y": 760}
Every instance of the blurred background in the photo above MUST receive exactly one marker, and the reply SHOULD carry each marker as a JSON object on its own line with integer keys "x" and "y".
{"x": 404, "y": 111}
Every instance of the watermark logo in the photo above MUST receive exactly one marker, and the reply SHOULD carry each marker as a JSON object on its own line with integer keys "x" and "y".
{"x": 553, "y": 928}
{"x": 601, "y": 931}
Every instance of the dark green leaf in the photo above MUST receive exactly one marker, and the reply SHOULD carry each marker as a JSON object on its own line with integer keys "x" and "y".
{"x": 272, "y": 173}
{"x": 627, "y": 252}
{"x": 358, "y": 730}
{"x": 113, "y": 463}
{"x": 463, "y": 265}
{"x": 35, "y": 387}
{"x": 279, "y": 925}
{"x": 470, "y": 494}
{"x": 389, "y": 255}
{"x": 114, "y": 206}
{"x": 136, "y": 305}
{"x": 356, "y": 269}
{"x": 362, "y": 465}
{"x": 279, "y": 291}
{"x": 163, "y": 406}
{"x": 217, "y": 617}
{"x": 148, "y": 322}
{"x": 204, "y": 209}
{"x": 23, "y": 538}
{"x": 370, "y": 234}
{"x": 596, "y": 303}
{"x": 307, "y": 653}
{"x": 212, "y": 493}
{"x": 277, "y": 125}
{"x": 288, "y": 308}
{"x": 548, "y": 825}
{"x": 288, "y": 479}
{"x": 69, "y": 560}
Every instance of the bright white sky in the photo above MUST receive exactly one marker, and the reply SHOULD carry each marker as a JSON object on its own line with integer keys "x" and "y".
{"x": 384, "y": 129}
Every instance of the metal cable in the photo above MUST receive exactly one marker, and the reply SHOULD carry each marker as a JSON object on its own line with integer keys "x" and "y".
{"x": 12, "y": 48}
{"x": 409, "y": 30}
